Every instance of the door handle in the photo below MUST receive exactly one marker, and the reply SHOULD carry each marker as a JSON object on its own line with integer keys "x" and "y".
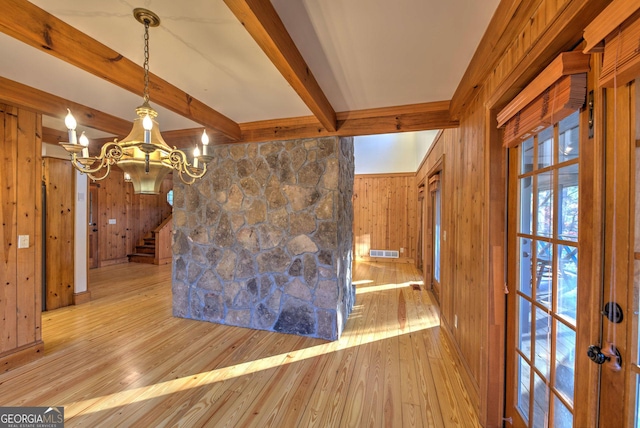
{"x": 609, "y": 355}
{"x": 594, "y": 352}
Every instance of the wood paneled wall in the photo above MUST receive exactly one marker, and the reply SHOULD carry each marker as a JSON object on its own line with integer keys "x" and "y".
{"x": 58, "y": 176}
{"x": 384, "y": 211}
{"x": 474, "y": 190}
{"x": 124, "y": 218}
{"x": 20, "y": 214}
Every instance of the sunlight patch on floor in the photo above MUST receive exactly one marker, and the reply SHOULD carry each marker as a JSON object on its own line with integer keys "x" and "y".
{"x": 136, "y": 395}
{"x": 385, "y": 287}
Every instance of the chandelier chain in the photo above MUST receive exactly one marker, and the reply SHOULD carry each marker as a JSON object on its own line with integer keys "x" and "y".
{"x": 146, "y": 61}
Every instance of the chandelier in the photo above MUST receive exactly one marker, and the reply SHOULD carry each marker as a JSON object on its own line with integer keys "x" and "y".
{"x": 143, "y": 155}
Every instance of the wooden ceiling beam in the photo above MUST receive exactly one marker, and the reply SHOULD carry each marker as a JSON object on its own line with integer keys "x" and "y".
{"x": 51, "y": 105}
{"x": 415, "y": 117}
{"x": 386, "y": 120}
{"x": 263, "y": 23}
{"x": 53, "y": 136}
{"x": 30, "y": 24}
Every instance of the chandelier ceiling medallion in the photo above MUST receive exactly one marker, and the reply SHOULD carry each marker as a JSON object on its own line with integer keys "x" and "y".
{"x": 143, "y": 155}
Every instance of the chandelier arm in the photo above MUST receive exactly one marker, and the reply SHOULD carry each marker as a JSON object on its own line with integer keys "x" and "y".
{"x": 180, "y": 163}
{"x": 110, "y": 154}
{"x": 187, "y": 182}
{"x": 94, "y": 178}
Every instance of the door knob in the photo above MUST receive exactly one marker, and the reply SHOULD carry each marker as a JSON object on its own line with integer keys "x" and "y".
{"x": 609, "y": 354}
{"x": 594, "y": 352}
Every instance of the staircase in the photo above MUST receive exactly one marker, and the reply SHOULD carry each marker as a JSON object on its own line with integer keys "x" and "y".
{"x": 155, "y": 247}
{"x": 146, "y": 252}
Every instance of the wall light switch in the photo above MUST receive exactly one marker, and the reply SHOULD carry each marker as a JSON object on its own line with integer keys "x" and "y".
{"x": 112, "y": 221}
{"x": 23, "y": 241}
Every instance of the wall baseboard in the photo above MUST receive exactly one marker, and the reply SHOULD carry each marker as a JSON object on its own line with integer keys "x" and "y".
{"x": 384, "y": 259}
{"x": 122, "y": 260}
{"x": 21, "y": 356}
{"x": 80, "y": 298}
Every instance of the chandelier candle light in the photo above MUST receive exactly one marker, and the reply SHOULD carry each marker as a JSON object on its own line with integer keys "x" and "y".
{"x": 143, "y": 155}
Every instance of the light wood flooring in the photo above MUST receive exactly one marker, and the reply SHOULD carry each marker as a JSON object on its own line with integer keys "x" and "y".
{"x": 122, "y": 360}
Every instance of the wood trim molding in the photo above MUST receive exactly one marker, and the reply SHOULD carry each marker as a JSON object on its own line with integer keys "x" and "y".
{"x": 80, "y": 298}
{"x": 384, "y": 259}
{"x": 565, "y": 64}
{"x": 28, "y": 23}
{"x": 383, "y": 175}
{"x": 111, "y": 262}
{"x": 610, "y": 19}
{"x": 22, "y": 356}
{"x": 564, "y": 33}
{"x": 265, "y": 26}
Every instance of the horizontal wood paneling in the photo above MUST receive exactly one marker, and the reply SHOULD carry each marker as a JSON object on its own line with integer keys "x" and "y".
{"x": 384, "y": 211}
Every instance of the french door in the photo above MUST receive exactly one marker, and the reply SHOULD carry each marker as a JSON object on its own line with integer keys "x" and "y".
{"x": 545, "y": 281}
{"x": 436, "y": 233}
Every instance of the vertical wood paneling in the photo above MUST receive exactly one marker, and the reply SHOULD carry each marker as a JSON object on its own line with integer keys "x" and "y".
{"x": 385, "y": 214}
{"x": 8, "y": 228}
{"x": 464, "y": 257}
{"x": 135, "y": 216}
{"x": 59, "y": 177}
{"x": 20, "y": 214}
{"x": 28, "y": 223}
{"x": 470, "y": 276}
{"x": 113, "y": 207}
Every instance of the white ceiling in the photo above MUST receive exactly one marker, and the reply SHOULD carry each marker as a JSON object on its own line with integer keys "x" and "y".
{"x": 364, "y": 54}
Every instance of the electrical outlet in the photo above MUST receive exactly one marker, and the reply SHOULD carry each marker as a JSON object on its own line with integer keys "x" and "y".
{"x": 112, "y": 221}
{"x": 23, "y": 241}
{"x": 401, "y": 249}
{"x": 455, "y": 321}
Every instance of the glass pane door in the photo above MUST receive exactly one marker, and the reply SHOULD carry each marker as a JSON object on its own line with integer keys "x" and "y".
{"x": 547, "y": 276}
{"x": 436, "y": 228}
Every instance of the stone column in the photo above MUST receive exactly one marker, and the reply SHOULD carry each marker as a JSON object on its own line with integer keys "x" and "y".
{"x": 265, "y": 239}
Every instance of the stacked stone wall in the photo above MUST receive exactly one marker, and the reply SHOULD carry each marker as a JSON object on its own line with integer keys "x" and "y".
{"x": 264, "y": 240}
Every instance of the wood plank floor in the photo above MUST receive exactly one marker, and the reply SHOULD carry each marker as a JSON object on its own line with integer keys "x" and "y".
{"x": 123, "y": 360}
